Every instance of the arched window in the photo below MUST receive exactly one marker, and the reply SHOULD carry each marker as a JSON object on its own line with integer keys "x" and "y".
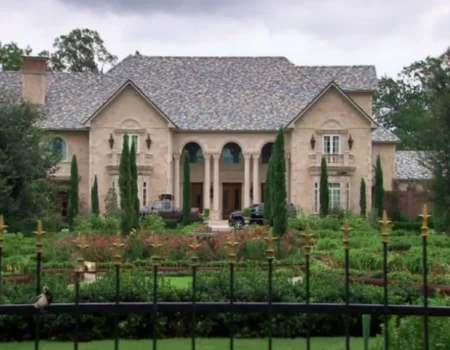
{"x": 59, "y": 148}
{"x": 266, "y": 152}
{"x": 232, "y": 153}
{"x": 195, "y": 152}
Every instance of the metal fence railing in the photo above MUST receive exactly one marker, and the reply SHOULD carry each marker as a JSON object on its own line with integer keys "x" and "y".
{"x": 193, "y": 307}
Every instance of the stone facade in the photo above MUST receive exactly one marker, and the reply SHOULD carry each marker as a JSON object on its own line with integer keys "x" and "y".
{"x": 332, "y": 121}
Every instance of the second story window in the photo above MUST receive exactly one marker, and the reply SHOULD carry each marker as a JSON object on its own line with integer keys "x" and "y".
{"x": 331, "y": 144}
{"x": 59, "y": 148}
{"x": 132, "y": 138}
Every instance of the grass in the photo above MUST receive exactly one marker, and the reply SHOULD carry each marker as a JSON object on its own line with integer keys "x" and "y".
{"x": 180, "y": 282}
{"x": 202, "y": 344}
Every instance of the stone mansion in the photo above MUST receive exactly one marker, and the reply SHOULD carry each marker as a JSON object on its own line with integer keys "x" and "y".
{"x": 225, "y": 112}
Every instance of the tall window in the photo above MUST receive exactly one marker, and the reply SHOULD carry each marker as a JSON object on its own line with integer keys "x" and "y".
{"x": 266, "y": 152}
{"x": 316, "y": 197}
{"x": 335, "y": 195}
{"x": 132, "y": 138}
{"x": 232, "y": 154}
{"x": 59, "y": 148}
{"x": 347, "y": 196}
{"x": 331, "y": 144}
{"x": 144, "y": 194}
{"x": 195, "y": 152}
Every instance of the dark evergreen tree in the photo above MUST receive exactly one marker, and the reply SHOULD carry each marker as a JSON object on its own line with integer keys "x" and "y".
{"x": 73, "y": 195}
{"x": 379, "y": 188}
{"x": 278, "y": 183}
{"x": 362, "y": 198}
{"x": 134, "y": 187}
{"x": 125, "y": 188}
{"x": 268, "y": 194}
{"x": 324, "y": 190}
{"x": 94, "y": 198}
{"x": 186, "y": 190}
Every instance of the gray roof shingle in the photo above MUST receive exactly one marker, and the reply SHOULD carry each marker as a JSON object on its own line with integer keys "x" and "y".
{"x": 383, "y": 135}
{"x": 201, "y": 93}
{"x": 408, "y": 166}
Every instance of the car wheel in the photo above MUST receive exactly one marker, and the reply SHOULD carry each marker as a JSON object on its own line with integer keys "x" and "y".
{"x": 238, "y": 224}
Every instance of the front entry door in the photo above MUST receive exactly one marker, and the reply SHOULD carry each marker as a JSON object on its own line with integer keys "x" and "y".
{"x": 197, "y": 195}
{"x": 231, "y": 199}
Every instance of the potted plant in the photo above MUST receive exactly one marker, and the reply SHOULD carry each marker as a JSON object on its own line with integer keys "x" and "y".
{"x": 205, "y": 215}
{"x": 247, "y": 212}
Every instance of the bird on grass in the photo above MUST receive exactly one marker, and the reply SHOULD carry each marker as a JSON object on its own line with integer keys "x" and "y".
{"x": 43, "y": 300}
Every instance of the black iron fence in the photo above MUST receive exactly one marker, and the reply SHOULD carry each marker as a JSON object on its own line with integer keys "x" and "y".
{"x": 193, "y": 307}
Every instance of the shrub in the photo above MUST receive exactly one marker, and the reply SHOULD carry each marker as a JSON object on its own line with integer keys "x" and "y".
{"x": 152, "y": 222}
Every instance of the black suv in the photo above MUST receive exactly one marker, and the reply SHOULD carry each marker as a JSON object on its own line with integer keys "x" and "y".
{"x": 236, "y": 218}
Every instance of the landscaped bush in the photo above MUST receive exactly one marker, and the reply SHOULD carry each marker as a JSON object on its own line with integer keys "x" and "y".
{"x": 251, "y": 286}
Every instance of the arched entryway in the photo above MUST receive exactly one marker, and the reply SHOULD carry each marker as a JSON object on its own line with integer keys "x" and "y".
{"x": 266, "y": 153}
{"x": 231, "y": 188}
{"x": 196, "y": 161}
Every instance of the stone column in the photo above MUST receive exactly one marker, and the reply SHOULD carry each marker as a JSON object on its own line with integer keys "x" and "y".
{"x": 176, "y": 157}
{"x": 247, "y": 180}
{"x": 288, "y": 182}
{"x": 207, "y": 182}
{"x": 216, "y": 158}
{"x": 256, "y": 184}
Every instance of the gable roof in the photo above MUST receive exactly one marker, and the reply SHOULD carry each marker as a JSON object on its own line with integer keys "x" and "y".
{"x": 332, "y": 84}
{"x": 198, "y": 93}
{"x": 408, "y": 166}
{"x": 128, "y": 83}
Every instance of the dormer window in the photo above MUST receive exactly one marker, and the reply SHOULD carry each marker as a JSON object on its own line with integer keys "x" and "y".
{"x": 331, "y": 144}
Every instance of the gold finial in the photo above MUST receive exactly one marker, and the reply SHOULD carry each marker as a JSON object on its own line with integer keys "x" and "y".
{"x": 2, "y": 229}
{"x": 385, "y": 226}
{"x": 117, "y": 245}
{"x": 82, "y": 245}
{"x": 346, "y": 229}
{"x": 232, "y": 248}
{"x": 308, "y": 238}
{"x": 270, "y": 239}
{"x": 194, "y": 246}
{"x": 39, "y": 232}
{"x": 424, "y": 217}
{"x": 156, "y": 245}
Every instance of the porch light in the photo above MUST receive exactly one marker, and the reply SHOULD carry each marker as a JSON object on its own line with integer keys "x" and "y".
{"x": 350, "y": 141}
{"x": 111, "y": 141}
{"x": 148, "y": 141}
{"x": 312, "y": 142}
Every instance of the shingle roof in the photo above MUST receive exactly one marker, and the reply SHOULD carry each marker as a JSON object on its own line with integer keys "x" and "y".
{"x": 408, "y": 166}
{"x": 201, "y": 93}
{"x": 383, "y": 135}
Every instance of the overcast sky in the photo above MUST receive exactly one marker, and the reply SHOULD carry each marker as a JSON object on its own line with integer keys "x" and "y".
{"x": 387, "y": 33}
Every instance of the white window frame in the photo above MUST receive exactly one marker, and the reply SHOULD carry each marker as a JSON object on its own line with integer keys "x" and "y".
{"x": 316, "y": 197}
{"x": 332, "y": 187}
{"x": 347, "y": 195}
{"x": 333, "y": 151}
{"x": 130, "y": 140}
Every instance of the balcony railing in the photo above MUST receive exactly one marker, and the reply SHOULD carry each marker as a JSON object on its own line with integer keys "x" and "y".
{"x": 141, "y": 159}
{"x": 344, "y": 159}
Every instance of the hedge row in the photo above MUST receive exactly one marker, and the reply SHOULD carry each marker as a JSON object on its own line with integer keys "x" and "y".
{"x": 251, "y": 286}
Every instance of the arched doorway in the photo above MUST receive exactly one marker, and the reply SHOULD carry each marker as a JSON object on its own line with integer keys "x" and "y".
{"x": 231, "y": 191}
{"x": 196, "y": 160}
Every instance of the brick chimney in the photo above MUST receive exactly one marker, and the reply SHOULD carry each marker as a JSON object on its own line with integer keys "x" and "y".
{"x": 34, "y": 80}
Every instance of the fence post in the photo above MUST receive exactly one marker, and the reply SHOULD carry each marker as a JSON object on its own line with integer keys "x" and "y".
{"x": 156, "y": 260}
{"x": 194, "y": 263}
{"x": 39, "y": 232}
{"x": 424, "y": 230}
{"x": 232, "y": 249}
{"x": 347, "y": 229}
{"x": 2, "y": 229}
{"x": 366, "y": 330}
{"x": 270, "y": 253}
{"x": 79, "y": 270}
{"x": 385, "y": 238}
{"x": 117, "y": 245}
{"x": 308, "y": 238}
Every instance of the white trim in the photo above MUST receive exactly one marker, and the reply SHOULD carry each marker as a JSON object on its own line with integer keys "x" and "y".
{"x": 331, "y": 143}
{"x": 330, "y": 184}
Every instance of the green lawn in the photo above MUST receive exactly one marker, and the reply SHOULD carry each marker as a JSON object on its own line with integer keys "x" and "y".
{"x": 202, "y": 344}
{"x": 179, "y": 281}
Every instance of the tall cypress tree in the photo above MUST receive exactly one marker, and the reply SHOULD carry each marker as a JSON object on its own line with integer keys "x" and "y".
{"x": 268, "y": 193}
{"x": 94, "y": 198}
{"x": 73, "y": 195}
{"x": 278, "y": 183}
{"x": 379, "y": 188}
{"x": 362, "y": 198}
{"x": 134, "y": 187}
{"x": 324, "y": 190}
{"x": 126, "y": 223}
{"x": 186, "y": 190}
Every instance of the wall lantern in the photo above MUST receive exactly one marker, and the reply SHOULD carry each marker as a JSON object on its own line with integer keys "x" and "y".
{"x": 111, "y": 141}
{"x": 350, "y": 141}
{"x": 148, "y": 141}
{"x": 211, "y": 192}
{"x": 312, "y": 142}
{"x": 251, "y": 191}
